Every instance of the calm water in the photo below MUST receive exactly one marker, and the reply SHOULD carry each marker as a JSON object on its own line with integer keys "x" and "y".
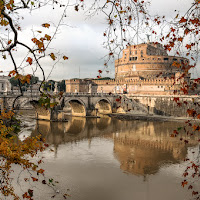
{"x": 109, "y": 159}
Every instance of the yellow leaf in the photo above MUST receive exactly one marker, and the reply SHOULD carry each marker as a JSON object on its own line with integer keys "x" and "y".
{"x": 48, "y": 37}
{"x": 53, "y": 56}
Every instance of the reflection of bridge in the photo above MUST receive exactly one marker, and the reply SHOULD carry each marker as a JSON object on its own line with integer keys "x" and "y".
{"x": 140, "y": 147}
{"x": 80, "y": 104}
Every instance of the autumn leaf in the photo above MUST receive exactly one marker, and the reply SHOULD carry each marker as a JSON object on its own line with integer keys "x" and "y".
{"x": 34, "y": 40}
{"x": 48, "y": 37}
{"x": 65, "y": 58}
{"x": 184, "y": 183}
{"x": 40, "y": 171}
{"x": 30, "y": 192}
{"x": 188, "y": 46}
{"x": 29, "y": 60}
{"x": 187, "y": 30}
{"x": 34, "y": 179}
{"x": 198, "y": 116}
{"x": 13, "y": 72}
{"x": 176, "y": 99}
{"x": 45, "y": 25}
{"x": 53, "y": 56}
{"x": 183, "y": 20}
{"x": 191, "y": 112}
{"x": 180, "y": 39}
{"x": 9, "y": 42}
{"x": 194, "y": 193}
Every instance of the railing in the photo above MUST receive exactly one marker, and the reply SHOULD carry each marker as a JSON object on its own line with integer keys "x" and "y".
{"x": 89, "y": 94}
{"x": 29, "y": 94}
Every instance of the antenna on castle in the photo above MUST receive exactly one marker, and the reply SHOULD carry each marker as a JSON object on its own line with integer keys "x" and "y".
{"x": 79, "y": 72}
{"x": 148, "y": 38}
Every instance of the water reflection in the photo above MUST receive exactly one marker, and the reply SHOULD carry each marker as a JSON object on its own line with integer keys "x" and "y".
{"x": 140, "y": 147}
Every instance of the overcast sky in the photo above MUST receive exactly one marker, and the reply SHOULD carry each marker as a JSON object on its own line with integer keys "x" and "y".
{"x": 80, "y": 39}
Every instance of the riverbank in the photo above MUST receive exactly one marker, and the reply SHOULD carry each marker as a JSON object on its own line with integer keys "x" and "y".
{"x": 147, "y": 117}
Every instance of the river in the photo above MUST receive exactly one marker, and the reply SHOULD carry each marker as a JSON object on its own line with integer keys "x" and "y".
{"x": 110, "y": 159}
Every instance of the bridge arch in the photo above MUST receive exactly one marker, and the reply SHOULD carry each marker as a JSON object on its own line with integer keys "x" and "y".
{"x": 26, "y": 104}
{"x": 103, "y": 106}
{"x": 78, "y": 107}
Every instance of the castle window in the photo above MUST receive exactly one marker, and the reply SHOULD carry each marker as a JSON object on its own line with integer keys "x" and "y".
{"x": 141, "y": 51}
{"x": 133, "y": 58}
{"x": 166, "y": 58}
{"x": 136, "y": 52}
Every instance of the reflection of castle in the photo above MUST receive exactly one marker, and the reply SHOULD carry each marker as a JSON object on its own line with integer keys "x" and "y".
{"x": 146, "y": 147}
{"x": 143, "y": 69}
{"x": 140, "y": 147}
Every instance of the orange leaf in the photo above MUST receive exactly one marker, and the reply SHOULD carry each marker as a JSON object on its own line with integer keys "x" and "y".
{"x": 9, "y": 42}
{"x": 46, "y": 25}
{"x": 40, "y": 171}
{"x": 65, "y": 58}
{"x": 48, "y": 37}
{"x": 53, "y": 56}
{"x": 34, "y": 179}
{"x": 184, "y": 183}
{"x": 198, "y": 116}
{"x": 180, "y": 39}
{"x": 188, "y": 46}
{"x": 183, "y": 20}
{"x": 29, "y": 60}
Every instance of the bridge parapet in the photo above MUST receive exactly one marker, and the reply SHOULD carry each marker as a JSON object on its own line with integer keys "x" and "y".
{"x": 90, "y": 94}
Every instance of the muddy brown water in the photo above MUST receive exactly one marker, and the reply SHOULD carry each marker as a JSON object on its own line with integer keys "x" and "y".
{"x": 109, "y": 159}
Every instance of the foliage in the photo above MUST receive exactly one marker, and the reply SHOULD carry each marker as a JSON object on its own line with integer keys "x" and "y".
{"x": 14, "y": 151}
{"x": 126, "y": 20}
{"x": 49, "y": 85}
{"x": 14, "y": 81}
{"x": 61, "y": 86}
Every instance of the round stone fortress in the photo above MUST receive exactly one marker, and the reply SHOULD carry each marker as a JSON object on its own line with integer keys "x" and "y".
{"x": 147, "y": 60}
{"x": 144, "y": 69}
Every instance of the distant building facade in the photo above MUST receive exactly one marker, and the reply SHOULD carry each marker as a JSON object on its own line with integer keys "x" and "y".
{"x": 143, "y": 69}
{"x": 5, "y": 85}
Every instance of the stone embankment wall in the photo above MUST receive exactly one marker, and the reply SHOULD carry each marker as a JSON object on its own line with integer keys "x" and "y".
{"x": 167, "y": 105}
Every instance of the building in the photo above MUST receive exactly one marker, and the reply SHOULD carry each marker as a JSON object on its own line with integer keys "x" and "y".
{"x": 143, "y": 69}
{"x": 5, "y": 85}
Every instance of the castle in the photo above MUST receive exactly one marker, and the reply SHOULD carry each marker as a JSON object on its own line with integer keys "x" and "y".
{"x": 143, "y": 69}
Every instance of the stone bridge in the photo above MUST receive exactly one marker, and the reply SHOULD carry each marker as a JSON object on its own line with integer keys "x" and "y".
{"x": 77, "y": 104}
{"x": 87, "y": 104}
